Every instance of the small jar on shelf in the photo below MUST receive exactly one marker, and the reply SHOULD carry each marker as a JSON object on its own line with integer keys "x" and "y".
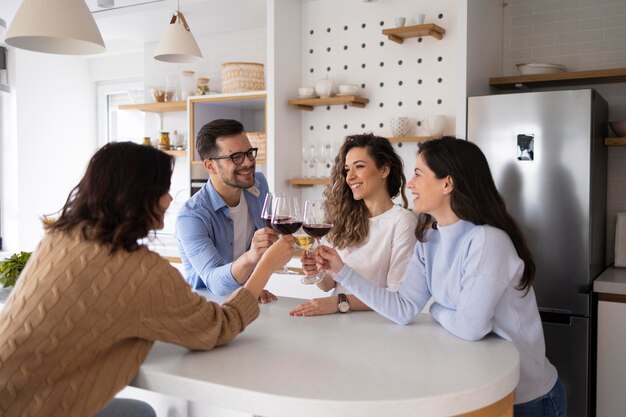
{"x": 202, "y": 86}
{"x": 164, "y": 141}
{"x": 187, "y": 84}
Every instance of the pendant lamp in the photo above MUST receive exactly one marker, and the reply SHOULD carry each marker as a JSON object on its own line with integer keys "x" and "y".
{"x": 178, "y": 44}
{"x": 55, "y": 27}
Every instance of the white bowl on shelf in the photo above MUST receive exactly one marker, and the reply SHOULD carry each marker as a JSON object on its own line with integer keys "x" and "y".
{"x": 539, "y": 68}
{"x": 348, "y": 89}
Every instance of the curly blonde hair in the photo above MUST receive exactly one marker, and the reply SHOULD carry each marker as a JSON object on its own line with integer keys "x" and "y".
{"x": 348, "y": 216}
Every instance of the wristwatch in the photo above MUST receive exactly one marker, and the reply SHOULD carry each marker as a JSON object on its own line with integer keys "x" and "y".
{"x": 343, "y": 306}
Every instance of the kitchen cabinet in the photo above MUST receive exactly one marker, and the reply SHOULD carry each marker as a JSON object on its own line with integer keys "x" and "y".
{"x": 611, "y": 367}
{"x": 249, "y": 108}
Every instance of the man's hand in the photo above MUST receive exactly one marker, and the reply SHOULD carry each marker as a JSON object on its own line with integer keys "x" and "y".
{"x": 261, "y": 241}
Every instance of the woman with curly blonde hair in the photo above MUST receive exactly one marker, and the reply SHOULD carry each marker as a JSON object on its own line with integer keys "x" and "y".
{"x": 372, "y": 234}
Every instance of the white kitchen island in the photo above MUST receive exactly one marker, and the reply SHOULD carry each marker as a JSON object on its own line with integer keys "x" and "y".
{"x": 357, "y": 364}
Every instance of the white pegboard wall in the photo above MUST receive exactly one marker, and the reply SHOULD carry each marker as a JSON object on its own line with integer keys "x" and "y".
{"x": 416, "y": 79}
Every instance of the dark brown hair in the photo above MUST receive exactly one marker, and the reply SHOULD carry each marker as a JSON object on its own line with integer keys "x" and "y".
{"x": 349, "y": 216}
{"x": 116, "y": 202}
{"x": 206, "y": 141}
{"x": 474, "y": 196}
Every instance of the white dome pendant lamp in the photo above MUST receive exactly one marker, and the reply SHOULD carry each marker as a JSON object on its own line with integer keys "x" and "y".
{"x": 178, "y": 44}
{"x": 56, "y": 27}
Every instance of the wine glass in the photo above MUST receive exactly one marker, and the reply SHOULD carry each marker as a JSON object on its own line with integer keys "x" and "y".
{"x": 266, "y": 216}
{"x": 306, "y": 242}
{"x": 286, "y": 217}
{"x": 316, "y": 226}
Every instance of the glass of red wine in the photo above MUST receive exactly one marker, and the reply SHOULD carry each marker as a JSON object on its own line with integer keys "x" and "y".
{"x": 286, "y": 217}
{"x": 266, "y": 216}
{"x": 316, "y": 226}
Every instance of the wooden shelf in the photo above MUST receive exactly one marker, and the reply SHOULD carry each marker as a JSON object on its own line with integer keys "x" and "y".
{"x": 416, "y": 139}
{"x": 308, "y": 182}
{"x": 308, "y": 103}
{"x": 614, "y": 75}
{"x": 176, "y": 153}
{"x": 615, "y": 141}
{"x": 398, "y": 35}
{"x": 156, "y": 107}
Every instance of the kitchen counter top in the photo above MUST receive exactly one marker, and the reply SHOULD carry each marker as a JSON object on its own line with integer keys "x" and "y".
{"x": 611, "y": 281}
{"x": 339, "y": 365}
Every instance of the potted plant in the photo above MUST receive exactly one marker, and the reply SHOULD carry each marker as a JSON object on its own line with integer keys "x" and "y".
{"x": 11, "y": 267}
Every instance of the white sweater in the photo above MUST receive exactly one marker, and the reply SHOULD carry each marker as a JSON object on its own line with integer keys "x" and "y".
{"x": 471, "y": 272}
{"x": 383, "y": 257}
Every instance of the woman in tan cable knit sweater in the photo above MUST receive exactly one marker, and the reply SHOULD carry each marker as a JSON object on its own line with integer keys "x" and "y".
{"x": 91, "y": 301}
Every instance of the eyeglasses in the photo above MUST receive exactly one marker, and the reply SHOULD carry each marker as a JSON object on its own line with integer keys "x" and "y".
{"x": 239, "y": 157}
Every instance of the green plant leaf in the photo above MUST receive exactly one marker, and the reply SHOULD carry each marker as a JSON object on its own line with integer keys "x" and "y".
{"x": 11, "y": 267}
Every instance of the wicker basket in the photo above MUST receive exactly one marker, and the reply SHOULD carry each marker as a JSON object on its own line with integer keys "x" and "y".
{"x": 259, "y": 140}
{"x": 242, "y": 76}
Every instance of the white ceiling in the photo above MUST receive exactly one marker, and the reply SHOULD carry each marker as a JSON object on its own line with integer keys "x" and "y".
{"x": 135, "y": 22}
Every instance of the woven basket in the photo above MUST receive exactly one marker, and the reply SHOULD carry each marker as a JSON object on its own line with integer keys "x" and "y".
{"x": 242, "y": 76}
{"x": 259, "y": 140}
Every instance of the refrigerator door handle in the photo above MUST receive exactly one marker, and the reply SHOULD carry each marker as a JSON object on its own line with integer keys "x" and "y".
{"x": 555, "y": 316}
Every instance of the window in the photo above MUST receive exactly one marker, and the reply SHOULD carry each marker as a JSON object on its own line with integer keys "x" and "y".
{"x": 115, "y": 125}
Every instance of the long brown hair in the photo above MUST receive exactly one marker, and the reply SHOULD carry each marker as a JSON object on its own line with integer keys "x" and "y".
{"x": 116, "y": 201}
{"x": 349, "y": 216}
{"x": 474, "y": 196}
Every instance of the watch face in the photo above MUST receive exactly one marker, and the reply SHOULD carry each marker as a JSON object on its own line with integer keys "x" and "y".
{"x": 344, "y": 306}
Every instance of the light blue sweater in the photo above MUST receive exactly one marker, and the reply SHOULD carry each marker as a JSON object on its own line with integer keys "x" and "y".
{"x": 471, "y": 272}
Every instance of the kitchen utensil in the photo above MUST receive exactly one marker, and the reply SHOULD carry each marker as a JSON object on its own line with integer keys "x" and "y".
{"x": 435, "y": 125}
{"x": 202, "y": 86}
{"x": 324, "y": 87}
{"x": 187, "y": 84}
{"x": 348, "y": 89}
{"x": 419, "y": 19}
{"x": 539, "y": 68}
{"x": 619, "y": 127}
{"x": 306, "y": 92}
{"x": 162, "y": 94}
{"x": 399, "y": 126}
{"x": 315, "y": 225}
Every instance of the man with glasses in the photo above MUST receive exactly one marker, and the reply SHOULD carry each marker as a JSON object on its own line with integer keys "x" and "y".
{"x": 221, "y": 235}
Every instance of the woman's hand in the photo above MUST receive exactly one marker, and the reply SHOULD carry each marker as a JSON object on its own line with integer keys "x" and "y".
{"x": 328, "y": 259}
{"x": 279, "y": 253}
{"x": 308, "y": 264}
{"x": 274, "y": 257}
{"x": 267, "y": 297}
{"x": 316, "y": 307}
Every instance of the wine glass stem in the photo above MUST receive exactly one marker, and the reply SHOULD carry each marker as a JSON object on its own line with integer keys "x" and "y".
{"x": 322, "y": 273}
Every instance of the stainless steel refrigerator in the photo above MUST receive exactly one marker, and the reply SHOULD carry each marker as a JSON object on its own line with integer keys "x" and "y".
{"x": 547, "y": 155}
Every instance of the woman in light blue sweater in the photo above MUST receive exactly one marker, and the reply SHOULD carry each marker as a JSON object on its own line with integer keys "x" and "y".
{"x": 472, "y": 259}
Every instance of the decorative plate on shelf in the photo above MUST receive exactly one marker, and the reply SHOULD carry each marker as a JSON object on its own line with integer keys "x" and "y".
{"x": 539, "y": 68}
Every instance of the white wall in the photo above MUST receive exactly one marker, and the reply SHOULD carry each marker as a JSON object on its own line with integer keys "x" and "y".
{"x": 54, "y": 135}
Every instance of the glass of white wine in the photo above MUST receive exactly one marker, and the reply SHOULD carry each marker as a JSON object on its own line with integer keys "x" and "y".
{"x": 306, "y": 242}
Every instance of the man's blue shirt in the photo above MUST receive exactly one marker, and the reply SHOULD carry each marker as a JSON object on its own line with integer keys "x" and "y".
{"x": 205, "y": 235}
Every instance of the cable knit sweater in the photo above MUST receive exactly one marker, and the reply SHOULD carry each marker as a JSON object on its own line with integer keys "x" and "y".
{"x": 81, "y": 320}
